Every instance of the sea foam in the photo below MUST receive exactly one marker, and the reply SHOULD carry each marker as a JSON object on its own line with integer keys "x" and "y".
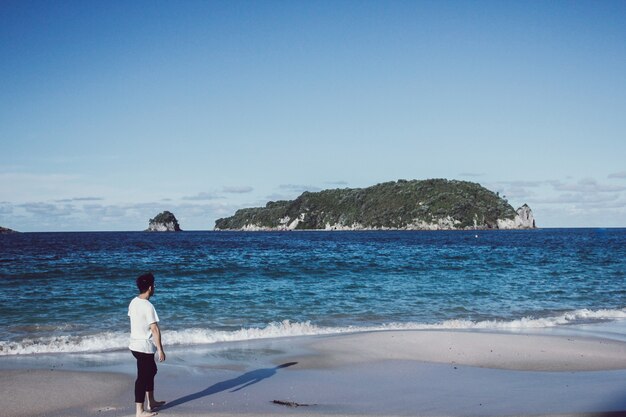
{"x": 109, "y": 341}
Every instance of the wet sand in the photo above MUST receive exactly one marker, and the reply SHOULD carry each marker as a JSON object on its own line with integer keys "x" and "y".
{"x": 399, "y": 373}
{"x": 37, "y": 392}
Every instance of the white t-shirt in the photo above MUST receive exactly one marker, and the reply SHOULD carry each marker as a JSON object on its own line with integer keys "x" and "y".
{"x": 142, "y": 314}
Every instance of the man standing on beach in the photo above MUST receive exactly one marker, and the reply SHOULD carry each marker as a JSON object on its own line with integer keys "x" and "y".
{"x": 145, "y": 340}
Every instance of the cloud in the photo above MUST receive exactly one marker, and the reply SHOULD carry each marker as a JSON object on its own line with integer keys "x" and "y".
{"x": 88, "y": 199}
{"x": 145, "y": 211}
{"x": 621, "y": 174}
{"x": 584, "y": 196}
{"x": 288, "y": 192}
{"x": 47, "y": 209}
{"x": 78, "y": 199}
{"x": 577, "y": 198}
{"x": 202, "y": 196}
{"x": 336, "y": 182}
{"x": 105, "y": 212}
{"x": 587, "y": 185}
{"x": 570, "y": 216}
{"x": 506, "y": 186}
{"x": 5, "y": 208}
{"x": 299, "y": 188}
{"x": 617, "y": 204}
{"x": 237, "y": 190}
{"x": 523, "y": 183}
{"x": 517, "y": 191}
{"x": 96, "y": 215}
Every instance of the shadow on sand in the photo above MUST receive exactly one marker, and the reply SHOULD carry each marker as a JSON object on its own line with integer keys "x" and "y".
{"x": 235, "y": 384}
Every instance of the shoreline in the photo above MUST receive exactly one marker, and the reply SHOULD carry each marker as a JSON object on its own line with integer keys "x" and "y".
{"x": 392, "y": 373}
{"x": 610, "y": 324}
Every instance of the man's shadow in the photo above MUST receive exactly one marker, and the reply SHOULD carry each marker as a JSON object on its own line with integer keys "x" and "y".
{"x": 239, "y": 383}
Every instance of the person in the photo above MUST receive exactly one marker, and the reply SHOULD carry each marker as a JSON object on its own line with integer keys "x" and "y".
{"x": 145, "y": 340}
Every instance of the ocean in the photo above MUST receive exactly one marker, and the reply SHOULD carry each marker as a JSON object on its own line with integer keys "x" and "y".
{"x": 69, "y": 292}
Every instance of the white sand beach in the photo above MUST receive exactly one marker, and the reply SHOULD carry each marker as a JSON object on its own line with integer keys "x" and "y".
{"x": 486, "y": 350}
{"x": 395, "y": 373}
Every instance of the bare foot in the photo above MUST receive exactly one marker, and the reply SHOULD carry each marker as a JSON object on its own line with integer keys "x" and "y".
{"x": 146, "y": 414}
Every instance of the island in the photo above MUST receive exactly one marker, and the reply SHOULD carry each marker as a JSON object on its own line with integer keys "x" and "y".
{"x": 434, "y": 204}
{"x": 5, "y": 231}
{"x": 164, "y": 222}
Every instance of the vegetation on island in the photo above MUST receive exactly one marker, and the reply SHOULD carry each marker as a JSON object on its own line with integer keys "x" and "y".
{"x": 4, "y": 230}
{"x": 394, "y": 205}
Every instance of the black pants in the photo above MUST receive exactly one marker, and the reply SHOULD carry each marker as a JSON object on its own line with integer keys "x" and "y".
{"x": 146, "y": 370}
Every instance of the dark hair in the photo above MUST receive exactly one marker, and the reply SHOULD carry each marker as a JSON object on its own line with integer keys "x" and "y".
{"x": 145, "y": 281}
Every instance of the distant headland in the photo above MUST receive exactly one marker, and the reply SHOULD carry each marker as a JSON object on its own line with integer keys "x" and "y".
{"x": 4, "y": 230}
{"x": 434, "y": 204}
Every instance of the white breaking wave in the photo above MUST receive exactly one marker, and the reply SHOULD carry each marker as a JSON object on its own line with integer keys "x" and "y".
{"x": 196, "y": 336}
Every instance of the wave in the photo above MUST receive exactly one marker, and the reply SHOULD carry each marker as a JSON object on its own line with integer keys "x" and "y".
{"x": 109, "y": 341}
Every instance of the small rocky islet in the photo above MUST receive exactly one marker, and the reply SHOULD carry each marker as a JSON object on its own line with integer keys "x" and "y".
{"x": 164, "y": 222}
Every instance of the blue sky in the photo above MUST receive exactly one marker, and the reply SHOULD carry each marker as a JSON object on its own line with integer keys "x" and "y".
{"x": 111, "y": 112}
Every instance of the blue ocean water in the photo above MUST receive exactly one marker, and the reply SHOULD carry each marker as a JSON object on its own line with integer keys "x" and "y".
{"x": 69, "y": 292}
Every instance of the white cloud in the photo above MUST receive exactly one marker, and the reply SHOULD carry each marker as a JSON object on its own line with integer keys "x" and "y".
{"x": 587, "y": 185}
{"x": 336, "y": 182}
{"x": 576, "y": 198}
{"x": 58, "y": 188}
{"x": 523, "y": 183}
{"x": 105, "y": 212}
{"x": 48, "y": 210}
{"x": 577, "y": 203}
{"x": 517, "y": 193}
{"x": 299, "y": 188}
{"x": 202, "y": 196}
{"x": 237, "y": 190}
{"x": 621, "y": 174}
{"x": 78, "y": 199}
{"x": 5, "y": 208}
{"x": 570, "y": 216}
{"x": 45, "y": 216}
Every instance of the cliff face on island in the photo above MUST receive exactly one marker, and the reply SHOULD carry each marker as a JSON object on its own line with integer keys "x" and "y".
{"x": 435, "y": 204}
{"x": 164, "y": 222}
{"x": 524, "y": 219}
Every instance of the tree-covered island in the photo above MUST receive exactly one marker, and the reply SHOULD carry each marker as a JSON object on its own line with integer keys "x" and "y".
{"x": 434, "y": 204}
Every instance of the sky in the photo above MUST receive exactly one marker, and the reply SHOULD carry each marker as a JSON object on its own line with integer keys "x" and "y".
{"x": 111, "y": 112}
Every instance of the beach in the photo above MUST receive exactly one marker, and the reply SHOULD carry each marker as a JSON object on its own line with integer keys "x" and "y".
{"x": 385, "y": 373}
